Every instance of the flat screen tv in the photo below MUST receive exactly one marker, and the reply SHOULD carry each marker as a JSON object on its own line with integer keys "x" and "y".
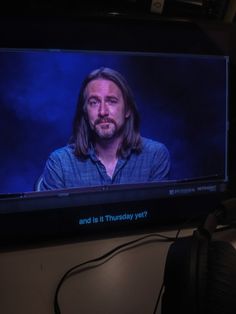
{"x": 180, "y": 77}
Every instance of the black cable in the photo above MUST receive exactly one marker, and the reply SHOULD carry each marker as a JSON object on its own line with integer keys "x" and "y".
{"x": 109, "y": 255}
{"x": 159, "y": 297}
{"x": 187, "y": 223}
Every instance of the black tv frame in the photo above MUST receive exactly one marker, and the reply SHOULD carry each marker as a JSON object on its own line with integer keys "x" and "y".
{"x": 102, "y": 211}
{"x": 115, "y": 33}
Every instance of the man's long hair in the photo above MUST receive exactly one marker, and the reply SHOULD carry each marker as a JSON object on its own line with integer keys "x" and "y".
{"x": 82, "y": 134}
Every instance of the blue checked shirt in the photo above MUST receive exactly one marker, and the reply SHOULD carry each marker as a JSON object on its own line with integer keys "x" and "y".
{"x": 64, "y": 170}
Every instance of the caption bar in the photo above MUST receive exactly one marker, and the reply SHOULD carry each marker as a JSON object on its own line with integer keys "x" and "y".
{"x": 111, "y": 218}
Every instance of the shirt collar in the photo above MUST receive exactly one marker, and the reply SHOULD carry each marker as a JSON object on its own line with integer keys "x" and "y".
{"x": 93, "y": 156}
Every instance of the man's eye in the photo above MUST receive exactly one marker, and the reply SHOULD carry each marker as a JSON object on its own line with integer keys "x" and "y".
{"x": 112, "y": 101}
{"x": 93, "y": 102}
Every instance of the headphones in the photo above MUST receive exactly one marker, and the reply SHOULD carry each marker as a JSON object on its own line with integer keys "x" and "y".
{"x": 200, "y": 273}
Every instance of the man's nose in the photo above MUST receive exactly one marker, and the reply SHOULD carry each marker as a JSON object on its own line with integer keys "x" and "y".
{"x": 103, "y": 109}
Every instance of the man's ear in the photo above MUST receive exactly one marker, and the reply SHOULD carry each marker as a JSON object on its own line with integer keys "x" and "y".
{"x": 127, "y": 114}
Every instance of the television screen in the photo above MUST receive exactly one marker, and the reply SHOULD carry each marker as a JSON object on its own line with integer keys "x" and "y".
{"x": 182, "y": 101}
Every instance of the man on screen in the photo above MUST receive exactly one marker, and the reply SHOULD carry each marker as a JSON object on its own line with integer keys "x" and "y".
{"x": 106, "y": 146}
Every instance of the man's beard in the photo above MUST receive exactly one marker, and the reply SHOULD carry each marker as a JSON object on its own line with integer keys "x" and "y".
{"x": 105, "y": 128}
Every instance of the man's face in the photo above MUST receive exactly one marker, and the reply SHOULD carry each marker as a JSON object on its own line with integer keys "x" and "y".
{"x": 105, "y": 108}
